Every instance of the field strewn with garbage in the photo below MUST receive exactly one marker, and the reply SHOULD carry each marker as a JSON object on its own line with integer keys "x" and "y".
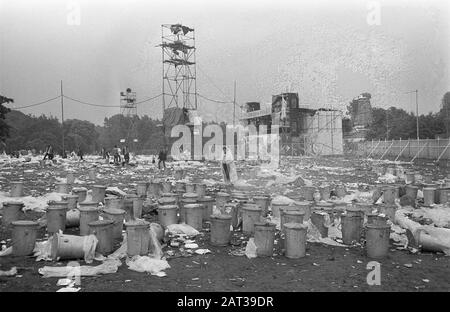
{"x": 182, "y": 258}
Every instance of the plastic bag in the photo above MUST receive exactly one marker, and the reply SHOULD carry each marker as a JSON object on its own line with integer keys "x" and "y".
{"x": 107, "y": 267}
{"x": 250, "y": 249}
{"x": 182, "y": 228}
{"x": 147, "y": 264}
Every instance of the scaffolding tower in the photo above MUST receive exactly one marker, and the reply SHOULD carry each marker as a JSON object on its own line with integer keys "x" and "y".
{"x": 128, "y": 107}
{"x": 179, "y": 86}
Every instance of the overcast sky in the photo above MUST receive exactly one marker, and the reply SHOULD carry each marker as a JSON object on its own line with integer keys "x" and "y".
{"x": 324, "y": 50}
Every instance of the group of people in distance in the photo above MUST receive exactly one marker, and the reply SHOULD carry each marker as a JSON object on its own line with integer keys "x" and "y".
{"x": 48, "y": 154}
{"x": 121, "y": 155}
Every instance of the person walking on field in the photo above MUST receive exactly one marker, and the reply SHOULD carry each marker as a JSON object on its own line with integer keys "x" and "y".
{"x": 116, "y": 155}
{"x": 48, "y": 152}
{"x": 162, "y": 157}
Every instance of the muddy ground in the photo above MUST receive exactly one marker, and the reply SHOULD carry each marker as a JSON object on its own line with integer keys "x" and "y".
{"x": 326, "y": 268}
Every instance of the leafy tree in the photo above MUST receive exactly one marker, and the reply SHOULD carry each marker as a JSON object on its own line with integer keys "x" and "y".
{"x": 4, "y": 127}
{"x": 444, "y": 113}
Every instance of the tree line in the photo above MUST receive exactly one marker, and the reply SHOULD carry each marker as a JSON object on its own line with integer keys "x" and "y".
{"x": 27, "y": 132}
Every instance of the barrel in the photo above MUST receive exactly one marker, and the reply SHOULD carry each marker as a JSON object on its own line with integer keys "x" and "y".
{"x": 23, "y": 236}
{"x": 194, "y": 215}
{"x": 220, "y": 230}
{"x": 221, "y": 199}
{"x": 98, "y": 193}
{"x": 295, "y": 240}
{"x": 250, "y": 215}
{"x": 70, "y": 178}
{"x": 141, "y": 188}
{"x": 16, "y": 189}
{"x": 62, "y": 187}
{"x": 200, "y": 189}
{"x": 167, "y": 215}
{"x": 67, "y": 246}
{"x": 81, "y": 192}
{"x": 117, "y": 216}
{"x": 263, "y": 202}
{"x": 113, "y": 202}
{"x": 428, "y": 196}
{"x": 264, "y": 238}
{"x": 11, "y": 212}
{"x": 190, "y": 188}
{"x": 291, "y": 216}
{"x": 71, "y": 200}
{"x": 351, "y": 228}
{"x": 138, "y": 238}
{"x": 304, "y": 206}
{"x": 56, "y": 216}
{"x": 103, "y": 230}
{"x": 166, "y": 187}
{"x": 207, "y": 202}
{"x": 88, "y": 214}
{"x": 377, "y": 240}
{"x": 325, "y": 192}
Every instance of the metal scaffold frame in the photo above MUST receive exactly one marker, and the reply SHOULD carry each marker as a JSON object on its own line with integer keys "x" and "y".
{"x": 179, "y": 88}
{"x": 128, "y": 107}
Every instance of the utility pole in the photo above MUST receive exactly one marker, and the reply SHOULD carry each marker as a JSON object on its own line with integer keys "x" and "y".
{"x": 417, "y": 113}
{"x": 62, "y": 120}
{"x": 234, "y": 105}
{"x": 387, "y": 124}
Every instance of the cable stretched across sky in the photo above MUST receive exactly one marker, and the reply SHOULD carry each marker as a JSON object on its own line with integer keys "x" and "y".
{"x": 217, "y": 101}
{"x": 37, "y": 104}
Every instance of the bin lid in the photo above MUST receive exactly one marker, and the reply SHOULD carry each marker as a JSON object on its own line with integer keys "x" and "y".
{"x": 101, "y": 223}
{"x": 265, "y": 224}
{"x": 378, "y": 226}
{"x": 99, "y": 186}
{"x": 220, "y": 216}
{"x": 88, "y": 208}
{"x": 293, "y": 212}
{"x": 57, "y": 203}
{"x": 114, "y": 211}
{"x": 167, "y": 200}
{"x": 163, "y": 207}
{"x": 192, "y": 206}
{"x": 13, "y": 203}
{"x": 222, "y": 194}
{"x": 137, "y": 223}
{"x": 113, "y": 197}
{"x": 79, "y": 189}
{"x": 205, "y": 199}
{"x": 24, "y": 223}
{"x": 190, "y": 195}
{"x": 251, "y": 207}
{"x": 295, "y": 225}
{"x": 168, "y": 194}
{"x": 70, "y": 196}
{"x": 88, "y": 203}
{"x": 261, "y": 197}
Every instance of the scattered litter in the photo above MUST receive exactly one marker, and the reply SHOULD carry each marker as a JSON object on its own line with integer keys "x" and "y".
{"x": 107, "y": 267}
{"x": 147, "y": 264}
{"x": 250, "y": 249}
{"x": 10, "y": 272}
{"x": 182, "y": 228}
{"x": 202, "y": 251}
